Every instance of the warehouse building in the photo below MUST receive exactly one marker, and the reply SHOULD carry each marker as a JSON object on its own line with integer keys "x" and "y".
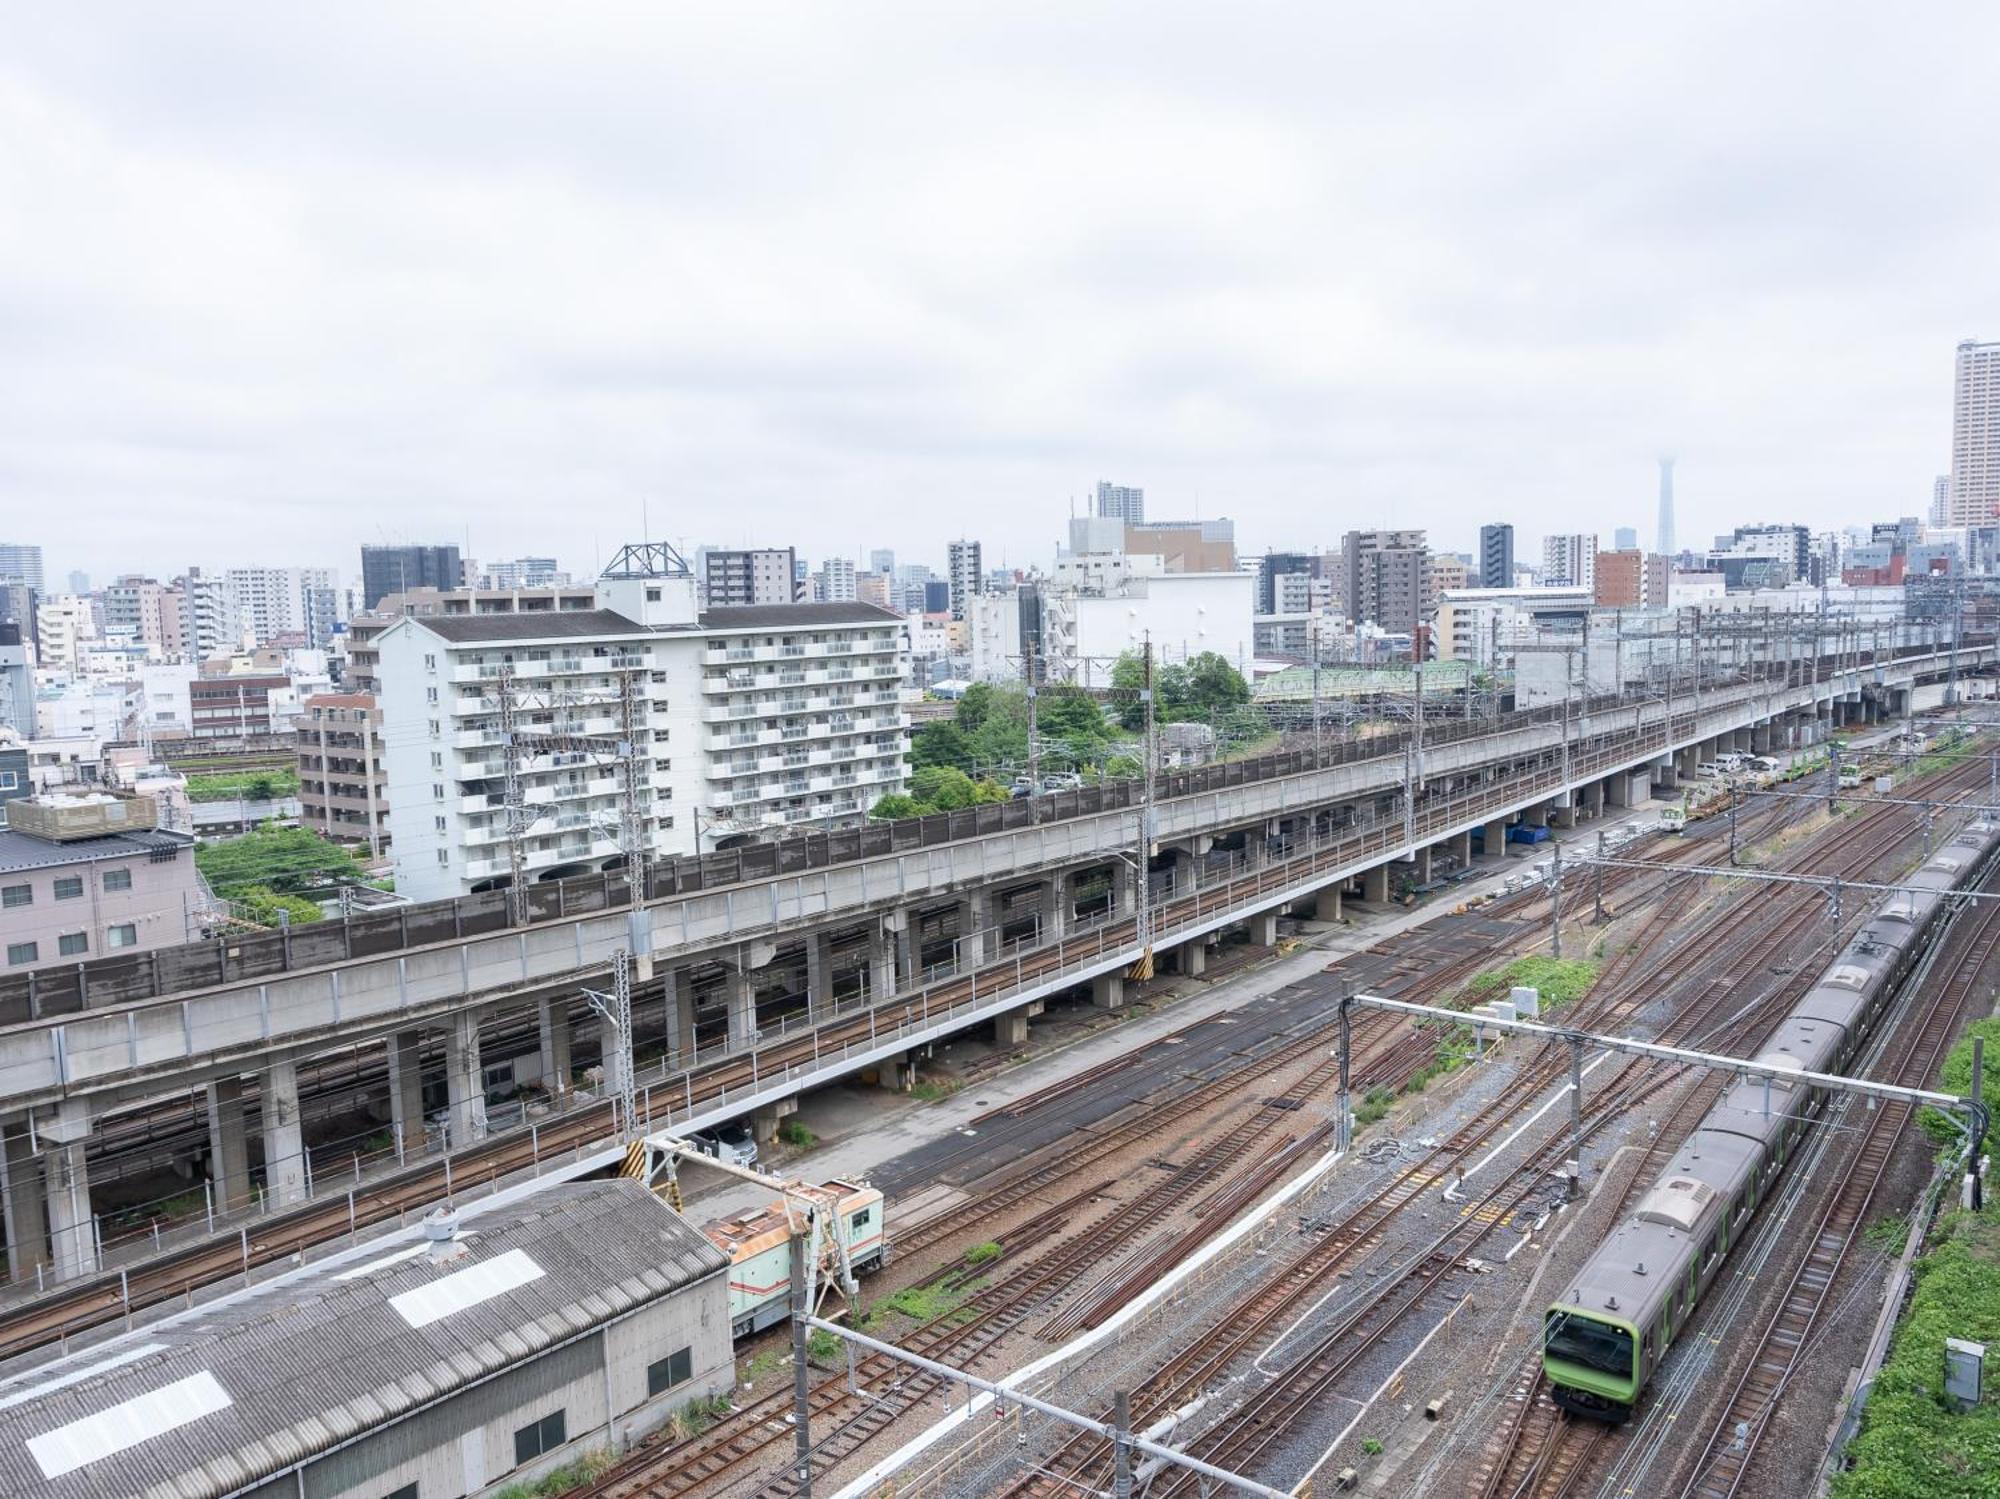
{"x": 442, "y": 1362}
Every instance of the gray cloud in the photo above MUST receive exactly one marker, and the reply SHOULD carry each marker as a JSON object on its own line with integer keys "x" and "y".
{"x": 271, "y": 286}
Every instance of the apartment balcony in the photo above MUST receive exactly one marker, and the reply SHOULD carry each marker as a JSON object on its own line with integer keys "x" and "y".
{"x": 466, "y": 739}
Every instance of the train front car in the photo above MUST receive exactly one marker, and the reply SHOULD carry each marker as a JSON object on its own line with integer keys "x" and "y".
{"x": 1592, "y": 1360}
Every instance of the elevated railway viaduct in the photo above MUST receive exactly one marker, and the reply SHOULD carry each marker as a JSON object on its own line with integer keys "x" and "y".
{"x": 762, "y": 972}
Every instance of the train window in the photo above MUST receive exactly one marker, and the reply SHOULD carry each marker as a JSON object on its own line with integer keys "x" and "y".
{"x": 863, "y": 1218}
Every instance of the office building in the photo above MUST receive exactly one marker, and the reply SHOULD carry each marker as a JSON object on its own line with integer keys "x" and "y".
{"x": 882, "y": 560}
{"x": 21, "y": 563}
{"x": 1625, "y": 539}
{"x": 1569, "y": 561}
{"x": 967, "y": 576}
{"x": 398, "y": 569}
{"x": 936, "y": 597}
{"x": 1116, "y": 500}
{"x": 1940, "y": 511}
{"x": 1790, "y": 545}
{"x": 1496, "y": 556}
{"x": 837, "y": 580}
{"x": 1975, "y": 436}
{"x": 1185, "y": 546}
{"x": 733, "y": 579}
{"x": 1486, "y": 626}
{"x": 747, "y": 719}
{"x": 1387, "y": 575}
{"x": 343, "y": 775}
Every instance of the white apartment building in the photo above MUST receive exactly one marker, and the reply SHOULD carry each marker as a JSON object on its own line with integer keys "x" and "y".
{"x": 271, "y": 601}
{"x": 1484, "y": 626}
{"x": 1082, "y": 634}
{"x": 837, "y": 579}
{"x": 1570, "y": 561}
{"x": 748, "y": 720}
{"x": 968, "y": 579}
{"x": 65, "y": 627}
{"x": 208, "y": 615}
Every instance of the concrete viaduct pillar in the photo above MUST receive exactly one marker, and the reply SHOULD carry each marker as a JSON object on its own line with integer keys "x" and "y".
{"x": 978, "y": 929}
{"x": 465, "y": 1081}
{"x": 680, "y": 1012}
{"x": 73, "y": 1243}
{"x": 1375, "y": 885}
{"x": 286, "y": 1176}
{"x": 553, "y": 1036}
{"x": 1107, "y": 990}
{"x": 1495, "y": 838}
{"x": 819, "y": 971}
{"x": 228, "y": 1146}
{"x": 27, "y": 1204}
{"x": 1326, "y": 900}
{"x": 1011, "y": 1029}
{"x": 882, "y": 960}
{"x": 1264, "y": 929}
{"x": 404, "y": 1052}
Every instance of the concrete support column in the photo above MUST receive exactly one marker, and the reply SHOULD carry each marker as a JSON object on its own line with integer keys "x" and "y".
{"x": 27, "y": 1206}
{"x": 1194, "y": 957}
{"x": 819, "y": 970}
{"x": 465, "y": 1081}
{"x": 285, "y": 1173}
{"x": 552, "y": 1029}
{"x": 1124, "y": 889}
{"x": 680, "y": 1013}
{"x": 1462, "y": 847}
{"x": 1055, "y": 908}
{"x": 741, "y": 999}
{"x": 73, "y": 1246}
{"x": 1375, "y": 885}
{"x": 1424, "y": 865}
{"x": 1107, "y": 990}
{"x": 405, "y": 1054}
{"x": 978, "y": 934}
{"x": 764, "y": 1121}
{"x": 1326, "y": 902}
{"x": 1264, "y": 929}
{"x": 1011, "y": 1029}
{"x": 881, "y": 964}
{"x": 1495, "y": 839}
{"x": 897, "y": 1074}
{"x": 228, "y": 1145}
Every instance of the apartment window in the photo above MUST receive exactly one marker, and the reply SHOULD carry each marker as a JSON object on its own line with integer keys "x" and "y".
{"x": 126, "y": 935}
{"x": 17, "y": 895}
{"x": 440, "y": 823}
{"x": 9, "y": 781}
{"x": 70, "y": 887}
{"x": 22, "y": 952}
{"x": 434, "y": 728}
{"x": 407, "y": 1491}
{"x": 117, "y": 879}
{"x": 437, "y": 760}
{"x": 444, "y": 858}
{"x": 431, "y": 695}
{"x": 70, "y": 944}
{"x": 437, "y": 791}
{"x": 430, "y": 662}
{"x": 537, "y": 1437}
{"x": 663, "y": 1374}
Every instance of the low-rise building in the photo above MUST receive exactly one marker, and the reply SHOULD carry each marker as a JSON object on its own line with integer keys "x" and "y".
{"x": 579, "y": 1320}
{"x": 88, "y": 873}
{"x": 343, "y": 776}
{"x": 1483, "y": 626}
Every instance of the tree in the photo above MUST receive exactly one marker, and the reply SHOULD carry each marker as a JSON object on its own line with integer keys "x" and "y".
{"x": 973, "y": 706}
{"x": 943, "y": 789}
{"x": 286, "y": 861}
{"x": 895, "y": 807}
{"x": 1213, "y": 684}
{"x": 941, "y": 742}
{"x": 1128, "y": 679}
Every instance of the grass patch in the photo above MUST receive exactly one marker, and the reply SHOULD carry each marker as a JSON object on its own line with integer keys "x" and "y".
{"x": 822, "y": 1347}
{"x": 927, "y": 1090}
{"x": 981, "y": 1254}
{"x": 254, "y": 785}
{"x": 1887, "y": 1235}
{"x": 794, "y": 1133}
{"x": 1453, "y": 1052}
{"x": 1561, "y": 981}
{"x": 770, "y": 1361}
{"x": 1372, "y": 1446}
{"x": 1955, "y": 1076}
{"x": 571, "y": 1475}
{"x": 1374, "y": 1104}
{"x": 942, "y": 1298}
{"x": 1912, "y": 1444}
{"x": 692, "y": 1419}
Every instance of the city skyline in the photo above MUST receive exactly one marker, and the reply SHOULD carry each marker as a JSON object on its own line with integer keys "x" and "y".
{"x": 542, "y": 333}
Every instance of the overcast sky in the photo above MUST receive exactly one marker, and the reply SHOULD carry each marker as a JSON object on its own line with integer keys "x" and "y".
{"x": 847, "y": 276}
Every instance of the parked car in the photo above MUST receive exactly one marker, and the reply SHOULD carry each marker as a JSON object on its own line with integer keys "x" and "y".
{"x": 732, "y": 1143}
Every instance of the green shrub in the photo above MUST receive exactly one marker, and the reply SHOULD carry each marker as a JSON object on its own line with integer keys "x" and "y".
{"x": 794, "y": 1133}
{"x": 980, "y": 1254}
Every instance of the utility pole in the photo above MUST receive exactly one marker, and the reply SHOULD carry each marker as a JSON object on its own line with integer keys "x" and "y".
{"x": 1832, "y": 773}
{"x": 514, "y": 813}
{"x": 632, "y": 731}
{"x": 801, "y": 1374}
{"x": 615, "y": 1010}
{"x": 1732, "y": 821}
{"x": 1556, "y": 903}
{"x": 1034, "y": 738}
{"x": 1318, "y": 746}
{"x": 1597, "y": 881}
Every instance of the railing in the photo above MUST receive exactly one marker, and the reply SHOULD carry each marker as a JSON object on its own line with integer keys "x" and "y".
{"x": 70, "y": 988}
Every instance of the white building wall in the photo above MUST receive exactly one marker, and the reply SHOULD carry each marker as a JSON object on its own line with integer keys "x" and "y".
{"x": 1185, "y": 614}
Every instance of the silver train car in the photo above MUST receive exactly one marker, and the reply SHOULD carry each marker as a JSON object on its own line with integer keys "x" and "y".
{"x": 1602, "y": 1342}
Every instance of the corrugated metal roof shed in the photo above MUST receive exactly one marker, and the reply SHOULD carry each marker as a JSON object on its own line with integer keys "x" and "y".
{"x": 212, "y": 1401}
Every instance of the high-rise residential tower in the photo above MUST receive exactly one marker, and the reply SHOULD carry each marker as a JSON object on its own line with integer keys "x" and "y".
{"x": 1118, "y": 501}
{"x": 1569, "y": 561}
{"x": 968, "y": 577}
{"x": 1496, "y": 556}
{"x": 1975, "y": 436}
{"x": 21, "y": 563}
{"x": 1665, "y": 546}
{"x": 398, "y": 569}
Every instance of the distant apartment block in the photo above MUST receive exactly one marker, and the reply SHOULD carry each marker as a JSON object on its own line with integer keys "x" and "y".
{"x": 1387, "y": 577}
{"x": 84, "y": 874}
{"x": 762, "y": 575}
{"x": 524, "y": 572}
{"x": 237, "y": 707}
{"x": 1569, "y": 561}
{"x": 1630, "y": 579}
{"x": 967, "y": 577}
{"x": 398, "y": 569}
{"x": 837, "y": 574}
{"x": 343, "y": 774}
